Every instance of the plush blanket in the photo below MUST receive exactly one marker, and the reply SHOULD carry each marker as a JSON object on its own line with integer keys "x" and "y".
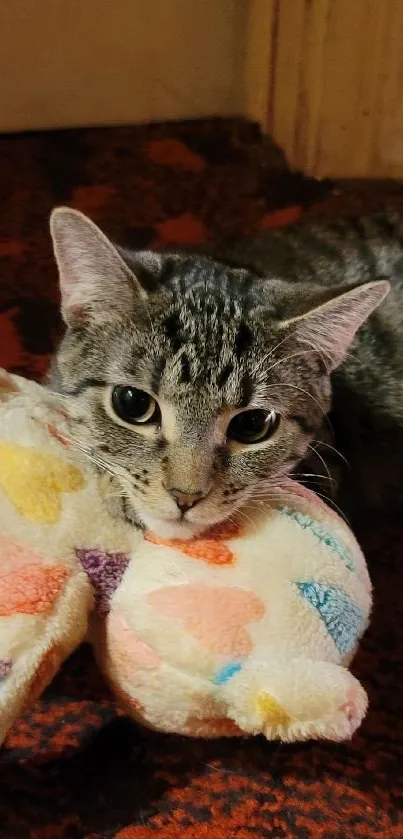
{"x": 74, "y": 765}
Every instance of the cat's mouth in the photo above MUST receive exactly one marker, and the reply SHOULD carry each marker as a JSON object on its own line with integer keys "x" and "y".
{"x": 167, "y": 524}
{"x": 173, "y": 528}
{"x": 180, "y": 526}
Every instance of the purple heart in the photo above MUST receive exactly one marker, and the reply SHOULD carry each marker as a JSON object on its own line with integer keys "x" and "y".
{"x": 105, "y": 572}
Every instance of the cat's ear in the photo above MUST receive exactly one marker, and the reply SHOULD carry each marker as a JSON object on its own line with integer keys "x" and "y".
{"x": 95, "y": 282}
{"x": 329, "y": 329}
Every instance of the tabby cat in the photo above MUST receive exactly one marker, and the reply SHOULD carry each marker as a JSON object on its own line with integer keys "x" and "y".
{"x": 199, "y": 381}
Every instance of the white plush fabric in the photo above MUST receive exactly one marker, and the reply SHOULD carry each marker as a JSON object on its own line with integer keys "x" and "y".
{"x": 248, "y": 629}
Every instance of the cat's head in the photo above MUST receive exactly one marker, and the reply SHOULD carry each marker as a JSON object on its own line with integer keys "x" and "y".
{"x": 195, "y": 384}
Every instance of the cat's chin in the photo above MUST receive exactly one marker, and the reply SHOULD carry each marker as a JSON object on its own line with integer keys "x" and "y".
{"x": 165, "y": 529}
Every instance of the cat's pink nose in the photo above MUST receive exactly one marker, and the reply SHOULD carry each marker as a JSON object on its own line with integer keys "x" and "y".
{"x": 186, "y": 500}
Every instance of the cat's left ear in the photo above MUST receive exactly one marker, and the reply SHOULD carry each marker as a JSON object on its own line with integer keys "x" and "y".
{"x": 330, "y": 328}
{"x": 95, "y": 281}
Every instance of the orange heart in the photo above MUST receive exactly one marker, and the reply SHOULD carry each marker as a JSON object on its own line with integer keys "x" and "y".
{"x": 210, "y": 547}
{"x": 31, "y": 589}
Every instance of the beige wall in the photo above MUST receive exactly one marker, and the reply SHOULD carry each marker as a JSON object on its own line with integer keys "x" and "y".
{"x": 324, "y": 77}
{"x": 87, "y": 62}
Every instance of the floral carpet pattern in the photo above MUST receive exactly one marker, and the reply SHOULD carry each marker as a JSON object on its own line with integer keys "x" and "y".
{"x": 74, "y": 767}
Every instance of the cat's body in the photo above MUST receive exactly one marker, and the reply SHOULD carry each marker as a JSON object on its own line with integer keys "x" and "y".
{"x": 215, "y": 346}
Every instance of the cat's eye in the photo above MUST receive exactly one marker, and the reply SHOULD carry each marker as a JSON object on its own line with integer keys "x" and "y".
{"x": 253, "y": 426}
{"x": 134, "y": 406}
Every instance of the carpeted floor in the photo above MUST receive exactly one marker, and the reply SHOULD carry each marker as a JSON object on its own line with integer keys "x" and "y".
{"x": 75, "y": 767}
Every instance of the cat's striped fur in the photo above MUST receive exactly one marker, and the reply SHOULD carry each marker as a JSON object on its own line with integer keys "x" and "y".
{"x": 366, "y": 419}
{"x": 210, "y": 336}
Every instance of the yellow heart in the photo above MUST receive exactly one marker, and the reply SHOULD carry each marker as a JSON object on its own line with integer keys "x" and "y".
{"x": 271, "y": 710}
{"x": 34, "y": 481}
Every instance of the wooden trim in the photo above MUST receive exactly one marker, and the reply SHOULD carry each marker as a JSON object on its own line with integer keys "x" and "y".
{"x": 258, "y": 59}
{"x": 328, "y": 83}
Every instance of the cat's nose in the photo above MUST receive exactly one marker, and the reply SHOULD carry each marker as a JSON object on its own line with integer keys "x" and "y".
{"x": 186, "y": 500}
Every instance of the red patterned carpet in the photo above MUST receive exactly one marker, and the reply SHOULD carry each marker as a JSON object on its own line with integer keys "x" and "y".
{"x": 74, "y": 767}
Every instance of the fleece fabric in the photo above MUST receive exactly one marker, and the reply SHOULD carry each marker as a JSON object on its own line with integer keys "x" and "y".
{"x": 248, "y": 629}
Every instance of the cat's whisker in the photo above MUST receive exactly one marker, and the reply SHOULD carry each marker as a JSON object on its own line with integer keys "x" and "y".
{"x": 328, "y": 446}
{"x": 271, "y": 352}
{"x": 58, "y": 395}
{"x": 98, "y": 463}
{"x": 265, "y": 494}
{"x": 256, "y": 368}
{"x": 271, "y": 487}
{"x": 89, "y": 453}
{"x": 116, "y": 494}
{"x": 245, "y": 516}
{"x": 322, "y": 459}
{"x": 330, "y": 502}
{"x": 316, "y": 475}
{"x": 323, "y": 411}
{"x": 316, "y": 349}
{"x": 283, "y": 361}
{"x": 263, "y": 504}
{"x": 325, "y": 361}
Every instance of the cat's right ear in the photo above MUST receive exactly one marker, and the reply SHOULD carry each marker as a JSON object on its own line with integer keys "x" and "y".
{"x": 329, "y": 329}
{"x": 95, "y": 282}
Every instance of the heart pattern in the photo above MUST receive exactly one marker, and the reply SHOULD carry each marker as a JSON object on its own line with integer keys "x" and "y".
{"x": 31, "y": 589}
{"x": 130, "y": 654}
{"x": 342, "y": 617}
{"x": 105, "y": 572}
{"x": 210, "y": 548}
{"x": 216, "y": 616}
{"x": 34, "y": 482}
{"x": 271, "y": 710}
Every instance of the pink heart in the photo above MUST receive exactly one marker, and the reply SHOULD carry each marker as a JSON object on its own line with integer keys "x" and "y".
{"x": 215, "y": 616}
{"x": 130, "y": 655}
{"x": 14, "y": 556}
